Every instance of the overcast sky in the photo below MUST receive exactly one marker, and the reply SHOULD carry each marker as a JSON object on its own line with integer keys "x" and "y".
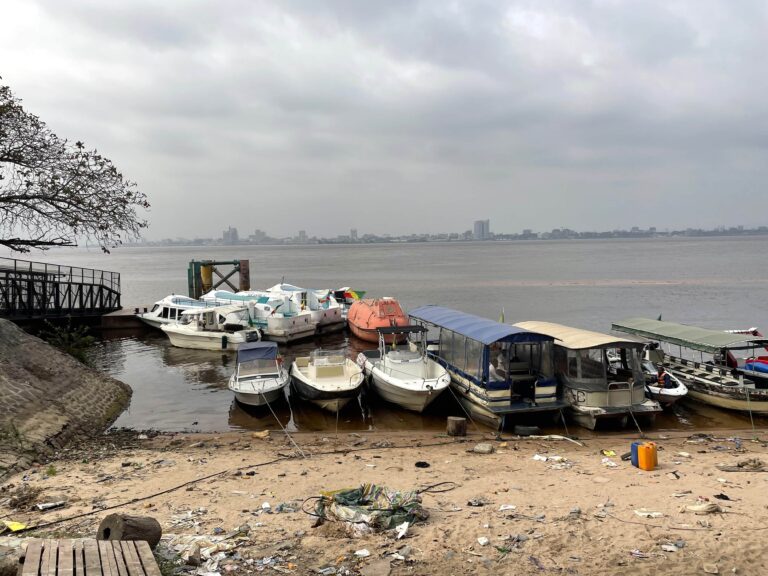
{"x": 401, "y": 116}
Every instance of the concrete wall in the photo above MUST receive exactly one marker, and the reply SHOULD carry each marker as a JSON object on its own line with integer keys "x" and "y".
{"x": 47, "y": 398}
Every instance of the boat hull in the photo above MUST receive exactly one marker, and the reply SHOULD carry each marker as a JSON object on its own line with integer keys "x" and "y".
{"x": 755, "y": 401}
{"x": 591, "y": 416}
{"x": 372, "y": 335}
{"x": 331, "y": 400}
{"x": 289, "y": 329}
{"x": 414, "y": 400}
{"x": 201, "y": 340}
{"x": 260, "y": 392}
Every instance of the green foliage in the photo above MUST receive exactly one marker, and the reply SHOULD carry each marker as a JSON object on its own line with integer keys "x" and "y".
{"x": 54, "y": 192}
{"x": 51, "y": 470}
{"x": 74, "y": 341}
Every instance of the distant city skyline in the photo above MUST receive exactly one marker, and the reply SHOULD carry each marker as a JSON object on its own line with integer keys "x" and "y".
{"x": 479, "y": 233}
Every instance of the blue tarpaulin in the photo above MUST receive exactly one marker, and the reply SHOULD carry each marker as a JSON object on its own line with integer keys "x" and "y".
{"x": 475, "y": 327}
{"x": 256, "y": 351}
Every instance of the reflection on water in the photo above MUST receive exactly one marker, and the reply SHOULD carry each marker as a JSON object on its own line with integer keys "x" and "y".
{"x": 180, "y": 389}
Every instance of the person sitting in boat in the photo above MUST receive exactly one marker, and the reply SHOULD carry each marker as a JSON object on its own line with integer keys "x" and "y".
{"x": 664, "y": 381}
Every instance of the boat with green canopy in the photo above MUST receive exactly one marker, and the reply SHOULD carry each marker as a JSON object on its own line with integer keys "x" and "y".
{"x": 707, "y": 361}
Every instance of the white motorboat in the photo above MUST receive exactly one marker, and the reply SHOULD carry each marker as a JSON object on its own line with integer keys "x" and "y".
{"x": 260, "y": 377}
{"x": 169, "y": 309}
{"x": 404, "y": 375}
{"x": 327, "y": 378}
{"x": 324, "y": 309}
{"x": 279, "y": 317}
{"x": 664, "y": 395}
{"x": 217, "y": 328}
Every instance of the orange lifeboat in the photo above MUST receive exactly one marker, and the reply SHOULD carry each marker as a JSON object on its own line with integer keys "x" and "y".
{"x": 366, "y": 316}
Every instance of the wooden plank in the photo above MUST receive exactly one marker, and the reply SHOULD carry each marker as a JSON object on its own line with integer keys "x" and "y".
{"x": 122, "y": 569}
{"x": 32, "y": 558}
{"x": 46, "y": 558}
{"x": 92, "y": 560}
{"x": 132, "y": 558}
{"x": 78, "y": 557}
{"x": 107, "y": 554}
{"x": 66, "y": 562}
{"x": 147, "y": 559}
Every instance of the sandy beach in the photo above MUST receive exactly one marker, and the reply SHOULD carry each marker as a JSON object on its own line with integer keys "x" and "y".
{"x": 544, "y": 506}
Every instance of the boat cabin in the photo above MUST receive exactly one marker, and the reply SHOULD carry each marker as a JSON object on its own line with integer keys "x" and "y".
{"x": 730, "y": 358}
{"x": 227, "y": 318}
{"x": 257, "y": 360}
{"x": 498, "y": 369}
{"x": 582, "y": 365}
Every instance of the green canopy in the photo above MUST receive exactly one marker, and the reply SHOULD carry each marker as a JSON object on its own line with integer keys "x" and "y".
{"x": 702, "y": 339}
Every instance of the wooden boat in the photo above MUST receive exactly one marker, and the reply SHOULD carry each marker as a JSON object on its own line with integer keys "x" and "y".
{"x": 366, "y": 316}
{"x": 260, "y": 377}
{"x": 327, "y": 378}
{"x": 404, "y": 375}
{"x": 707, "y": 379}
{"x": 218, "y": 328}
{"x": 595, "y": 392}
{"x": 497, "y": 370}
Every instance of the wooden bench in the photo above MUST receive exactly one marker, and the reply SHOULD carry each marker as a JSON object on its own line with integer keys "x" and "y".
{"x": 47, "y": 557}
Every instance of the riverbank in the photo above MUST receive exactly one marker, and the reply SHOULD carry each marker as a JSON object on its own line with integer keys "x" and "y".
{"x": 570, "y": 510}
{"x": 47, "y": 399}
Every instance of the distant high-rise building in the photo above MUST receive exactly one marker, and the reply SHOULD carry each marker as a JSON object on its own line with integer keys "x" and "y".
{"x": 353, "y": 234}
{"x": 482, "y": 230}
{"x": 259, "y": 236}
{"x": 302, "y": 235}
{"x": 230, "y": 236}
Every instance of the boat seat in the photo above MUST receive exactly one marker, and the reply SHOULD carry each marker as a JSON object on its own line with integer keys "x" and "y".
{"x": 332, "y": 371}
{"x": 518, "y": 367}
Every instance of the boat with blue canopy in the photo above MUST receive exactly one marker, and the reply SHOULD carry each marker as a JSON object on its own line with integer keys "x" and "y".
{"x": 496, "y": 369}
{"x": 260, "y": 377}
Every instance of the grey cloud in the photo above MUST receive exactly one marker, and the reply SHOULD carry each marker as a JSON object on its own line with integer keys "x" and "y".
{"x": 538, "y": 114}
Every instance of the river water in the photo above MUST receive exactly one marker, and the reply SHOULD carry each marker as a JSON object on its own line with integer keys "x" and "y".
{"x": 710, "y": 282}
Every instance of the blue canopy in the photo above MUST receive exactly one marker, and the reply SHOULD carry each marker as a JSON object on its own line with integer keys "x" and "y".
{"x": 475, "y": 327}
{"x": 256, "y": 351}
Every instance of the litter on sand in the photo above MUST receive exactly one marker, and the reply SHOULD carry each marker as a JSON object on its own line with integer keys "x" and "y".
{"x": 704, "y": 508}
{"x": 750, "y": 465}
{"x": 643, "y": 513}
{"x": 370, "y": 508}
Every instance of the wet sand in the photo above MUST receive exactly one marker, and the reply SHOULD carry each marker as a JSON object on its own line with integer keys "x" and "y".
{"x": 572, "y": 516}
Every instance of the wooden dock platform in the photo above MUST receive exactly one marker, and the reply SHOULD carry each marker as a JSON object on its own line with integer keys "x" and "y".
{"x": 48, "y": 557}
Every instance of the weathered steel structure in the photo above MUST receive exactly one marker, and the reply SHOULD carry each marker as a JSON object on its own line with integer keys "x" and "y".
{"x": 36, "y": 290}
{"x": 200, "y": 276}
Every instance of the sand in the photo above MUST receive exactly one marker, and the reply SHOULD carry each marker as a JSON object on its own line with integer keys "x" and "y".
{"x": 571, "y": 516}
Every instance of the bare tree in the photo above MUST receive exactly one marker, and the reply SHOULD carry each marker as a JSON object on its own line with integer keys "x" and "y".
{"x": 55, "y": 193}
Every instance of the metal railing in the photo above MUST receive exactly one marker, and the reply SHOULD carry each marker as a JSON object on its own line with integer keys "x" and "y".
{"x": 38, "y": 290}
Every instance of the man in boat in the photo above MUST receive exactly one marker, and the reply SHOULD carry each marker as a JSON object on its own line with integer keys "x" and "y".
{"x": 663, "y": 378}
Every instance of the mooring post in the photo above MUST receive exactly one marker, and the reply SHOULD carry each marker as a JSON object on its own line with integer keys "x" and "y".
{"x": 245, "y": 275}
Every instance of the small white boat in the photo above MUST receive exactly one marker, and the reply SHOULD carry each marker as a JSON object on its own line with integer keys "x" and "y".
{"x": 327, "y": 378}
{"x": 217, "y": 328}
{"x": 260, "y": 377}
{"x": 280, "y": 319}
{"x": 169, "y": 309}
{"x": 324, "y": 309}
{"x": 666, "y": 396}
{"x": 404, "y": 374}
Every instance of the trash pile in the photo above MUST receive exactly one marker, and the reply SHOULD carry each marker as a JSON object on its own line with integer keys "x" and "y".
{"x": 371, "y": 508}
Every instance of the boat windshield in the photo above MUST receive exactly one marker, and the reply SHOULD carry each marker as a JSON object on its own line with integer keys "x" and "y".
{"x": 258, "y": 367}
{"x": 327, "y": 357}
